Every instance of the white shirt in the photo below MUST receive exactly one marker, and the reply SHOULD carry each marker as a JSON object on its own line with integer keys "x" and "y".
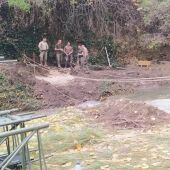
{"x": 43, "y": 46}
{"x": 85, "y": 51}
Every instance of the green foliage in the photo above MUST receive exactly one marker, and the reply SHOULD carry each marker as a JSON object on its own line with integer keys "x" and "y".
{"x": 152, "y": 45}
{"x": 156, "y": 14}
{"x": 89, "y": 38}
{"x": 155, "y": 8}
{"x": 101, "y": 58}
{"x": 112, "y": 89}
{"x": 15, "y": 95}
{"x": 145, "y": 3}
{"x": 8, "y": 50}
{"x": 22, "y": 4}
{"x": 27, "y": 20}
{"x": 105, "y": 89}
{"x": 24, "y": 40}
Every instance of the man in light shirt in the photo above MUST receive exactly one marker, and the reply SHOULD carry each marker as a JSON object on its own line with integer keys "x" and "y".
{"x": 43, "y": 47}
{"x": 82, "y": 55}
{"x": 68, "y": 50}
{"x": 85, "y": 52}
{"x": 59, "y": 52}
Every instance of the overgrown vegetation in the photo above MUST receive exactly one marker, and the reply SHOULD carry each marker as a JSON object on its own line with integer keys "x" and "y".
{"x": 16, "y": 95}
{"x": 155, "y": 38}
{"x": 112, "y": 89}
{"x": 73, "y": 20}
{"x": 121, "y": 25}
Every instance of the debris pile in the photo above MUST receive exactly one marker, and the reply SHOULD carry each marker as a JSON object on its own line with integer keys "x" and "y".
{"x": 124, "y": 113}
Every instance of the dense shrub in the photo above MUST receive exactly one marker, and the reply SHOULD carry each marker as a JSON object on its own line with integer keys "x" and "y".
{"x": 23, "y": 23}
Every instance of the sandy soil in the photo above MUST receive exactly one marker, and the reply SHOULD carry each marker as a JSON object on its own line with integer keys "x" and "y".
{"x": 56, "y": 78}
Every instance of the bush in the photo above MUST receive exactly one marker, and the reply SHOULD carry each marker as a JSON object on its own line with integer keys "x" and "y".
{"x": 16, "y": 95}
{"x": 101, "y": 58}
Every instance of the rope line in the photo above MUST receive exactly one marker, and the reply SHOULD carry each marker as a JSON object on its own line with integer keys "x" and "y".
{"x": 126, "y": 80}
{"x": 150, "y": 79}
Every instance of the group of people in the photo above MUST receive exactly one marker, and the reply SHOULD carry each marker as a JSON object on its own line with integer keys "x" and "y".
{"x": 65, "y": 53}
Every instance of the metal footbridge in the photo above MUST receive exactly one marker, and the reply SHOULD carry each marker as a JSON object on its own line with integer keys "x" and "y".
{"x": 15, "y": 136}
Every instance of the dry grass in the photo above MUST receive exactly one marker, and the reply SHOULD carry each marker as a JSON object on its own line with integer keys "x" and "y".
{"x": 103, "y": 149}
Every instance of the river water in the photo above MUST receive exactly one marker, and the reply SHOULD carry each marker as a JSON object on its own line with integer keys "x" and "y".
{"x": 157, "y": 97}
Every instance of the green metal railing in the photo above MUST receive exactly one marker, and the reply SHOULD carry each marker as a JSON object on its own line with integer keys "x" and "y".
{"x": 23, "y": 146}
{"x": 16, "y": 138}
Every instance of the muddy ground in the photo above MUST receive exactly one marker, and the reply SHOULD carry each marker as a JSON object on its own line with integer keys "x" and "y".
{"x": 125, "y": 113}
{"x": 118, "y": 133}
{"x": 60, "y": 88}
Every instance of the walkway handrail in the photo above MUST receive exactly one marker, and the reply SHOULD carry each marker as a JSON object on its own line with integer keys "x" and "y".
{"x": 5, "y": 112}
{"x": 21, "y": 120}
{"x": 24, "y": 130}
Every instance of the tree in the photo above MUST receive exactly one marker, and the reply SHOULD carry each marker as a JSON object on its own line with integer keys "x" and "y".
{"x": 69, "y": 19}
{"x": 157, "y": 23}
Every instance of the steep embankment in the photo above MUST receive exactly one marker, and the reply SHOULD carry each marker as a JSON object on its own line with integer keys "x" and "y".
{"x": 16, "y": 88}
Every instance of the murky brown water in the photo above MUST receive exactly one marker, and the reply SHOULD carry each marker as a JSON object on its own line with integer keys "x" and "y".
{"x": 159, "y": 97}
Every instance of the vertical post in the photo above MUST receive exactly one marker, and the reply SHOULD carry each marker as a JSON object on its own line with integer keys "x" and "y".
{"x": 13, "y": 142}
{"x": 23, "y": 149}
{"x": 108, "y": 59}
{"x": 34, "y": 62}
{"x": 41, "y": 153}
{"x": 43, "y": 157}
{"x": 39, "y": 148}
{"x": 28, "y": 157}
{"x": 7, "y": 142}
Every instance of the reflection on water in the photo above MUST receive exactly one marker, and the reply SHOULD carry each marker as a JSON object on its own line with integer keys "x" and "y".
{"x": 89, "y": 104}
{"x": 151, "y": 94}
{"x": 162, "y": 104}
{"x": 159, "y": 97}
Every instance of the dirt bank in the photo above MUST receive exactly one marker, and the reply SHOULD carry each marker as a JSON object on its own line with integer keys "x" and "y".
{"x": 124, "y": 113}
{"x": 58, "y": 88}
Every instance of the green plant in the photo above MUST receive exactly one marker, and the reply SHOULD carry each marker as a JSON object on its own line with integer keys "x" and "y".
{"x": 16, "y": 95}
{"x": 24, "y": 22}
{"x": 105, "y": 89}
{"x": 22, "y": 4}
{"x": 101, "y": 45}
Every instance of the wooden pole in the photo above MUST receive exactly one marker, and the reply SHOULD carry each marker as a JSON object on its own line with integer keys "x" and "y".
{"x": 108, "y": 59}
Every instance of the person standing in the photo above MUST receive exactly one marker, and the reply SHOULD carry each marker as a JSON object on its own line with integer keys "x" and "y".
{"x": 43, "y": 48}
{"x": 82, "y": 55}
{"x": 68, "y": 50}
{"x": 85, "y": 53}
{"x": 85, "y": 59}
{"x": 59, "y": 52}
